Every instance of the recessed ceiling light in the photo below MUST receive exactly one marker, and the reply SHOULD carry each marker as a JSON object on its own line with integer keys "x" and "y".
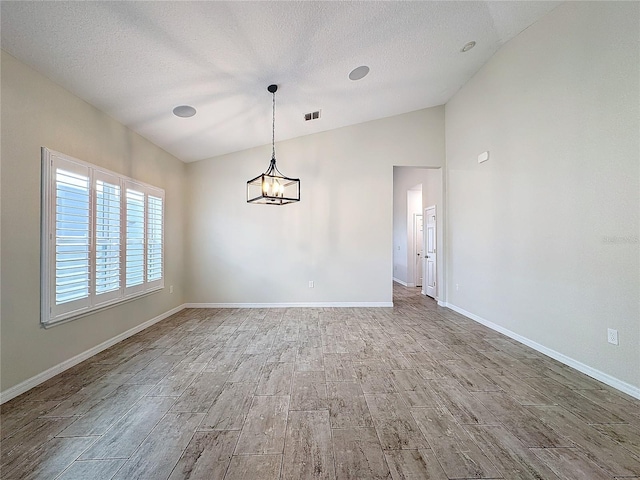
{"x": 468, "y": 46}
{"x": 184, "y": 111}
{"x": 358, "y": 73}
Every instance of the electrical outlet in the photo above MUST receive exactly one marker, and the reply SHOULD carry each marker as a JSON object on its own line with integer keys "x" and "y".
{"x": 310, "y": 283}
{"x": 457, "y": 287}
{"x": 612, "y": 336}
{"x": 170, "y": 288}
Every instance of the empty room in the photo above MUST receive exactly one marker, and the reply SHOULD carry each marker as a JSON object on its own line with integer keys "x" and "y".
{"x": 319, "y": 240}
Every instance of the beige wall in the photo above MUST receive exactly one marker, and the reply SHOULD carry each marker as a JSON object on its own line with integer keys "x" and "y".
{"x": 339, "y": 235}
{"x": 543, "y": 238}
{"x": 36, "y": 113}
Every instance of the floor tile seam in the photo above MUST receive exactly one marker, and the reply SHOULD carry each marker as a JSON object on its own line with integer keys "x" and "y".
{"x": 186, "y": 446}
{"x": 150, "y": 430}
{"x": 79, "y": 455}
{"x": 607, "y": 437}
{"x": 233, "y": 450}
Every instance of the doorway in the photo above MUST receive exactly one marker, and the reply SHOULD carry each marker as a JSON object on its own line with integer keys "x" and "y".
{"x": 415, "y": 189}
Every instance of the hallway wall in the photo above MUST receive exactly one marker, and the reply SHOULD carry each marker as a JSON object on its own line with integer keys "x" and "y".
{"x": 543, "y": 238}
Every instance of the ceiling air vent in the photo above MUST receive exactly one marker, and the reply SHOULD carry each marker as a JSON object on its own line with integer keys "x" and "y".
{"x": 312, "y": 116}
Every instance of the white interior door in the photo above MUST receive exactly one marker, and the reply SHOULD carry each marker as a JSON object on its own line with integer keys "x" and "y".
{"x": 430, "y": 287}
{"x": 418, "y": 242}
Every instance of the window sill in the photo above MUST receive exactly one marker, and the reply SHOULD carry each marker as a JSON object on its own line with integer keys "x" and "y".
{"x": 91, "y": 311}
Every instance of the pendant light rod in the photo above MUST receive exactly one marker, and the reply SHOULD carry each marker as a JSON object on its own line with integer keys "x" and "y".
{"x": 273, "y": 89}
{"x": 272, "y": 165}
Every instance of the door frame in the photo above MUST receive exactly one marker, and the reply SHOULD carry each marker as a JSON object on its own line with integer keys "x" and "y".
{"x": 440, "y": 200}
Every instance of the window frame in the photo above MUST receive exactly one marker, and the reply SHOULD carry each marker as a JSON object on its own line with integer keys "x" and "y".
{"x": 53, "y": 314}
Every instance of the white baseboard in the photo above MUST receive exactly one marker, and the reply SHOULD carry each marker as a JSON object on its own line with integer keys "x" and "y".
{"x": 581, "y": 367}
{"x": 405, "y": 284}
{"x": 291, "y": 305}
{"x": 36, "y": 380}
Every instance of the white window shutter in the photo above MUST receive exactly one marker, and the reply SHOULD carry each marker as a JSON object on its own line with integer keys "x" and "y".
{"x": 155, "y": 254}
{"x": 135, "y": 239}
{"x": 70, "y": 242}
{"x": 102, "y": 238}
{"x": 108, "y": 197}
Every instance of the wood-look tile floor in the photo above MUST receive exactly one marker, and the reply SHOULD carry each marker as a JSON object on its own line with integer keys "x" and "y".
{"x": 415, "y": 392}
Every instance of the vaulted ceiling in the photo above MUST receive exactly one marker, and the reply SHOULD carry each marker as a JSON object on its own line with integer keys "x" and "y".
{"x": 136, "y": 61}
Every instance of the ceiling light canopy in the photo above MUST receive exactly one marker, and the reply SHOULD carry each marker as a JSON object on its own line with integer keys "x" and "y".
{"x": 272, "y": 187}
{"x": 184, "y": 111}
{"x": 358, "y": 73}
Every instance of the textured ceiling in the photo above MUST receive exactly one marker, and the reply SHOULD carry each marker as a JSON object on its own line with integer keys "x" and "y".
{"x": 136, "y": 61}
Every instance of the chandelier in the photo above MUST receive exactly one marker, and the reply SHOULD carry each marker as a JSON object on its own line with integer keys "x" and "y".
{"x": 272, "y": 187}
